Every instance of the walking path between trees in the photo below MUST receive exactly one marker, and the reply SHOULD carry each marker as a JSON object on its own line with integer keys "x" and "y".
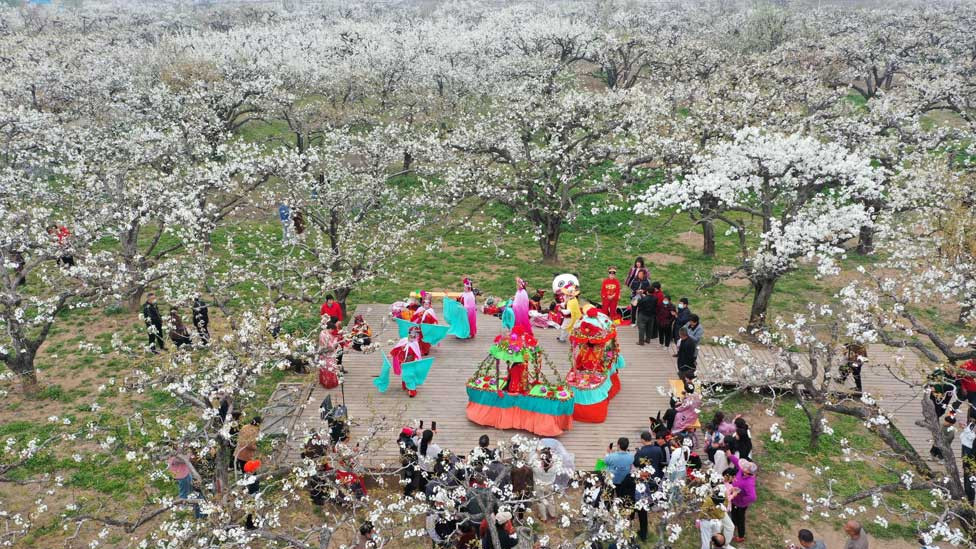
{"x": 443, "y": 398}
{"x": 898, "y": 390}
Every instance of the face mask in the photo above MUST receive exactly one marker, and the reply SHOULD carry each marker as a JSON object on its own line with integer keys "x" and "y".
{"x": 681, "y": 305}
{"x": 666, "y": 301}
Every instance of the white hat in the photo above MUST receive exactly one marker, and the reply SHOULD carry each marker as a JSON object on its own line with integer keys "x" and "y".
{"x": 503, "y": 517}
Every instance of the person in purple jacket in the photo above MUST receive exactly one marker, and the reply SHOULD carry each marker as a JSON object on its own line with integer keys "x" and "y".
{"x": 743, "y": 493}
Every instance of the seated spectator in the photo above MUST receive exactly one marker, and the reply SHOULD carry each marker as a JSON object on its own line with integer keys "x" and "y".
{"x": 687, "y": 410}
{"x": 535, "y": 302}
{"x": 360, "y": 334}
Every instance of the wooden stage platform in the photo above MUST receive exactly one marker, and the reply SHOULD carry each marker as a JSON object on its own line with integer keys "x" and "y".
{"x": 443, "y": 398}
{"x": 644, "y": 392}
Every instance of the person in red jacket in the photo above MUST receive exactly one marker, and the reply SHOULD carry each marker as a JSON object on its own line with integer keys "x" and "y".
{"x": 610, "y": 294}
{"x": 665, "y": 320}
{"x": 967, "y": 379}
{"x": 332, "y": 308}
{"x": 659, "y": 298}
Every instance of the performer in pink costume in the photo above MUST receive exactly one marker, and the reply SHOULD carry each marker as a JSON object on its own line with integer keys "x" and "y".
{"x": 471, "y": 305}
{"x": 520, "y": 306}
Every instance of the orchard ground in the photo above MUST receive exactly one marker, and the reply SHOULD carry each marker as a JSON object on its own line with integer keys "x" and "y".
{"x": 77, "y": 385}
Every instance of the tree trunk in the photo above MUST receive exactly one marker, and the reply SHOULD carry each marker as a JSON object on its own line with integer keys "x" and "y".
{"x": 708, "y": 238}
{"x": 865, "y": 243}
{"x": 222, "y": 466}
{"x": 549, "y": 242}
{"x": 708, "y": 204}
{"x": 134, "y": 301}
{"x": 816, "y": 429}
{"x": 760, "y": 302}
{"x": 22, "y": 364}
{"x": 341, "y": 294}
{"x": 933, "y": 423}
{"x": 407, "y": 161}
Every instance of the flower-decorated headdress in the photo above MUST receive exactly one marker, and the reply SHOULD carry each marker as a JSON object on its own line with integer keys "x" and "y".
{"x": 414, "y": 331}
{"x": 467, "y": 283}
{"x": 519, "y": 283}
{"x": 425, "y": 298}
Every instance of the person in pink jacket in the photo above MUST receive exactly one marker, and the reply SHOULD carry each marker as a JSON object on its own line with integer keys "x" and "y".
{"x": 687, "y": 410}
{"x": 743, "y": 493}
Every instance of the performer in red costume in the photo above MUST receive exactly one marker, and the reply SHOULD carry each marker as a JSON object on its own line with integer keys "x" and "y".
{"x": 407, "y": 350}
{"x": 518, "y": 382}
{"x": 515, "y": 374}
{"x": 424, "y": 315}
{"x": 610, "y": 294}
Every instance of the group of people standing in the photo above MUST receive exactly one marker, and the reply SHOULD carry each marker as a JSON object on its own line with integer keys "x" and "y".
{"x": 334, "y": 340}
{"x": 667, "y": 460}
{"x": 179, "y": 333}
{"x": 656, "y": 315}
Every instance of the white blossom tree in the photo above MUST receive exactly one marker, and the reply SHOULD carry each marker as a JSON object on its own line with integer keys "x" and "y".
{"x": 540, "y": 154}
{"x": 803, "y": 193}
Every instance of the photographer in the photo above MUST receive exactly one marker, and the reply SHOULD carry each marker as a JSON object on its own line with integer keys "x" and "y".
{"x": 619, "y": 463}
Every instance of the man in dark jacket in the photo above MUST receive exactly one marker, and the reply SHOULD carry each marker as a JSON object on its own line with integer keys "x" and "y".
{"x": 650, "y": 460}
{"x": 201, "y": 319}
{"x": 687, "y": 354}
{"x": 646, "y": 315}
{"x": 681, "y": 317}
{"x": 154, "y": 323}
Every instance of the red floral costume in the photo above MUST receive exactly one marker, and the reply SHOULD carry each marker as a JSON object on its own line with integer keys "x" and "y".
{"x": 610, "y": 295}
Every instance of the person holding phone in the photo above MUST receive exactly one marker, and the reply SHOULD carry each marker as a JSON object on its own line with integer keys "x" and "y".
{"x": 619, "y": 463}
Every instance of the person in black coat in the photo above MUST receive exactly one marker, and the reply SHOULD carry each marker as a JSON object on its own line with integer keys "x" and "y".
{"x": 681, "y": 316}
{"x": 201, "y": 319}
{"x": 154, "y": 323}
{"x": 687, "y": 354}
{"x": 646, "y": 315}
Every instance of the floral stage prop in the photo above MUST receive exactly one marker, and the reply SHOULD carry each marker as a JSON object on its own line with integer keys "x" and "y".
{"x": 595, "y": 360}
{"x": 520, "y": 396}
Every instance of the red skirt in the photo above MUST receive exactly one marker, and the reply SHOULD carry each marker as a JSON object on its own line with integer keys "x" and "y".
{"x": 328, "y": 378}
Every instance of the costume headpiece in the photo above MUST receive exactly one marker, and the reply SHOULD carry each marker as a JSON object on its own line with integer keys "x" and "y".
{"x": 425, "y": 298}
{"x": 467, "y": 283}
{"x": 563, "y": 280}
{"x": 414, "y": 330}
{"x": 520, "y": 283}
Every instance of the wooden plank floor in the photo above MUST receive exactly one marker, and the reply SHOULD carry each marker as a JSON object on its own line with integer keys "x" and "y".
{"x": 443, "y": 399}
